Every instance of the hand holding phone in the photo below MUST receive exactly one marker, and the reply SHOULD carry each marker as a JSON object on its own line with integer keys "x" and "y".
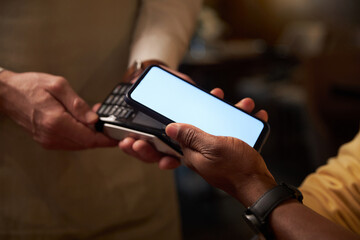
{"x": 168, "y": 98}
{"x": 146, "y": 152}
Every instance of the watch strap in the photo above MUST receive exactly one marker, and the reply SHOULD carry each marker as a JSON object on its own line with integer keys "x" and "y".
{"x": 267, "y": 202}
{"x": 257, "y": 214}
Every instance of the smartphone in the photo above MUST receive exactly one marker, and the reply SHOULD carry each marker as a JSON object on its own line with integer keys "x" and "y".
{"x": 169, "y": 98}
{"x": 119, "y": 120}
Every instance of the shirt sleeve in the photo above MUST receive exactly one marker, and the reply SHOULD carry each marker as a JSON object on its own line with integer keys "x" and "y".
{"x": 163, "y": 30}
{"x": 334, "y": 189}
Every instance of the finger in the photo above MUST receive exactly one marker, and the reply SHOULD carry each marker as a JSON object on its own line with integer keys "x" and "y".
{"x": 188, "y": 136}
{"x": 185, "y": 77}
{"x": 96, "y": 107}
{"x": 62, "y": 91}
{"x": 59, "y": 140}
{"x": 168, "y": 162}
{"x": 49, "y": 141}
{"x": 126, "y": 146}
{"x": 101, "y": 140}
{"x": 133, "y": 80}
{"x": 146, "y": 151}
{"x": 218, "y": 92}
{"x": 246, "y": 104}
{"x": 78, "y": 133}
{"x": 263, "y": 115}
{"x": 97, "y": 140}
{"x": 182, "y": 75}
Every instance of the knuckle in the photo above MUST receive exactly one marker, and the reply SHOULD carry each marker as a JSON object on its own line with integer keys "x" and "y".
{"x": 50, "y": 122}
{"x": 212, "y": 150}
{"x": 57, "y": 84}
{"x": 217, "y": 147}
{"x": 45, "y": 126}
{"x": 189, "y": 137}
{"x": 79, "y": 104}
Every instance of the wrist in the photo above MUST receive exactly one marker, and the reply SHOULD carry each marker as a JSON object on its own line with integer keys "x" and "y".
{"x": 249, "y": 191}
{"x": 138, "y": 67}
{"x": 257, "y": 215}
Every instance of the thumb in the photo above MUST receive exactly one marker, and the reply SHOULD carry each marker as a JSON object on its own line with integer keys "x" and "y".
{"x": 188, "y": 136}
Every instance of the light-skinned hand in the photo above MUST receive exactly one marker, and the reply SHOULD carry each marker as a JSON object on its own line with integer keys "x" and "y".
{"x": 49, "y": 109}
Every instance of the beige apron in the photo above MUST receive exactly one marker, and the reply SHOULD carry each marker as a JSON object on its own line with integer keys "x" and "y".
{"x": 99, "y": 193}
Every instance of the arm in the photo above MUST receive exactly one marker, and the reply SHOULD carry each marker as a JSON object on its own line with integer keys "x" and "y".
{"x": 163, "y": 30}
{"x": 332, "y": 190}
{"x": 235, "y": 167}
{"x": 162, "y": 33}
{"x": 48, "y": 108}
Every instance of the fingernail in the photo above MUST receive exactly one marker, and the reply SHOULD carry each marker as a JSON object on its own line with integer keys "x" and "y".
{"x": 127, "y": 141}
{"x": 91, "y": 117}
{"x": 172, "y": 130}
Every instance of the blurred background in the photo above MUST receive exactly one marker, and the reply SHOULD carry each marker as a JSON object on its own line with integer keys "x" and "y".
{"x": 299, "y": 60}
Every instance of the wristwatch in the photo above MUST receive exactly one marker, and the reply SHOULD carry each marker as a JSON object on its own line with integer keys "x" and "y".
{"x": 138, "y": 67}
{"x": 256, "y": 216}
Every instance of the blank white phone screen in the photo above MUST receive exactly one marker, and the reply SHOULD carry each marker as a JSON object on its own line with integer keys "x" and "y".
{"x": 183, "y": 103}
